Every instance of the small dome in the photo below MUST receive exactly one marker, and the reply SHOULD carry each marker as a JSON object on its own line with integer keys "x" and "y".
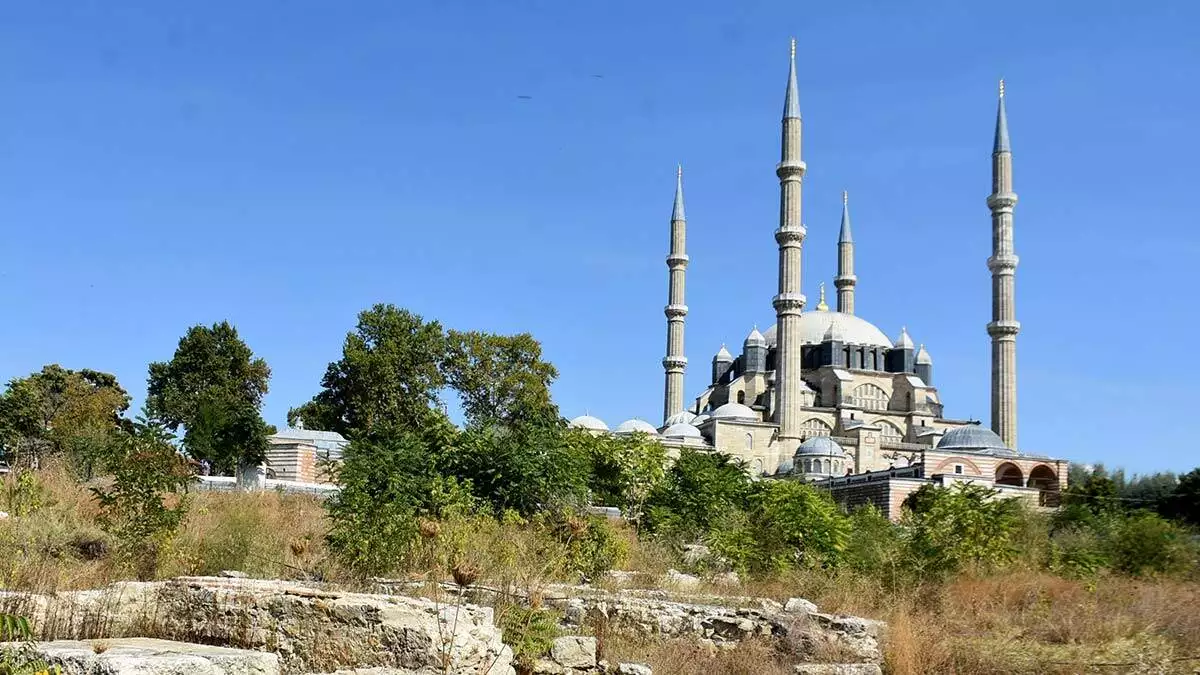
{"x": 904, "y": 341}
{"x": 820, "y": 445}
{"x": 971, "y": 437}
{"x": 681, "y": 417}
{"x": 755, "y": 339}
{"x": 636, "y": 425}
{"x": 682, "y": 430}
{"x": 700, "y": 419}
{"x": 923, "y": 357}
{"x": 588, "y": 422}
{"x": 735, "y": 411}
{"x": 723, "y": 355}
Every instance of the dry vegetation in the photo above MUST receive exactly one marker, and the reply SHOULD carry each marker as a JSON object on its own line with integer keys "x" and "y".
{"x": 1018, "y": 621}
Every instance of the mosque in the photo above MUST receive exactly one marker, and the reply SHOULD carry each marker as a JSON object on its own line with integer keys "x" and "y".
{"x": 825, "y": 395}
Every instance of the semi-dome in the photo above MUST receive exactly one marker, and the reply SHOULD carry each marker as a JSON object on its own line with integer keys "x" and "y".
{"x": 735, "y": 411}
{"x": 848, "y": 328}
{"x": 972, "y": 437}
{"x": 681, "y": 417}
{"x": 636, "y": 425}
{"x": 588, "y": 422}
{"x": 822, "y": 446}
{"x": 682, "y": 431}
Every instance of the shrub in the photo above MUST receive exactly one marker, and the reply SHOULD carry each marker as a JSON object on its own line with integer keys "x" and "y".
{"x": 1145, "y": 544}
{"x": 951, "y": 529}
{"x": 699, "y": 490}
{"x": 795, "y": 525}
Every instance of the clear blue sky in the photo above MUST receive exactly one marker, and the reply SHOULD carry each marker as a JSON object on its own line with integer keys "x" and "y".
{"x": 285, "y": 165}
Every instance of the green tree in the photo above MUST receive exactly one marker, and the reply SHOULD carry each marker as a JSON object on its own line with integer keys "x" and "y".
{"x": 60, "y": 412}
{"x": 501, "y": 379}
{"x": 390, "y": 373}
{"x": 213, "y": 387}
{"x": 624, "y": 469}
{"x": 147, "y": 498}
{"x": 700, "y": 490}
{"x": 526, "y": 468}
{"x": 963, "y": 526}
{"x": 388, "y": 479}
{"x": 1184, "y": 502}
{"x": 1144, "y": 544}
{"x": 795, "y": 525}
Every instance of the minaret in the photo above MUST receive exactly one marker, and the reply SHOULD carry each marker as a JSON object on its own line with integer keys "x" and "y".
{"x": 1003, "y": 264}
{"x": 789, "y": 301}
{"x": 845, "y": 279}
{"x": 675, "y": 363}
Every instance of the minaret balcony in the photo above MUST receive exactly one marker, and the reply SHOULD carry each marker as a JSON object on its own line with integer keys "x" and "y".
{"x": 1003, "y": 264}
{"x": 675, "y": 311}
{"x": 674, "y": 363}
{"x": 679, "y": 260}
{"x": 1002, "y": 201}
{"x": 1004, "y": 328}
{"x": 791, "y": 168}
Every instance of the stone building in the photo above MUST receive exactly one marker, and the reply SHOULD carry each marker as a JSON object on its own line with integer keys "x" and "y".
{"x": 303, "y": 455}
{"x": 825, "y": 394}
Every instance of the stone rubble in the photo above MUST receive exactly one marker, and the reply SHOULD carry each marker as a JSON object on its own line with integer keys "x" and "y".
{"x": 145, "y": 656}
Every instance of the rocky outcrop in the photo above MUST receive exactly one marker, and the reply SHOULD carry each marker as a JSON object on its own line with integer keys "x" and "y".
{"x": 144, "y": 656}
{"x": 310, "y": 629}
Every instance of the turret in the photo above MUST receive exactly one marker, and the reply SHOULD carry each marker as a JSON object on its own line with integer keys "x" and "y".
{"x": 924, "y": 365}
{"x": 754, "y": 351}
{"x": 789, "y": 301}
{"x": 1003, "y": 327}
{"x": 845, "y": 279}
{"x": 832, "y": 352}
{"x": 901, "y": 357}
{"x": 675, "y": 363}
{"x": 721, "y": 364}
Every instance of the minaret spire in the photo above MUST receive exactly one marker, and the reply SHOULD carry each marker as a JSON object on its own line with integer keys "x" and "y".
{"x": 845, "y": 279}
{"x": 1004, "y": 327}
{"x": 675, "y": 363}
{"x": 789, "y": 301}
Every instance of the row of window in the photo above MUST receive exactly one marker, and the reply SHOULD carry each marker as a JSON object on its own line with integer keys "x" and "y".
{"x": 832, "y": 467}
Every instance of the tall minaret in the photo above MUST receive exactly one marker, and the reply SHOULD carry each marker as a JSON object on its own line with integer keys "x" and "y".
{"x": 790, "y": 301}
{"x": 675, "y": 362}
{"x": 1003, "y": 264}
{"x": 845, "y": 279}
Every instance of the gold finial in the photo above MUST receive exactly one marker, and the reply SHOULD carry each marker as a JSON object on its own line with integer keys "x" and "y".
{"x": 793, "y": 49}
{"x": 821, "y": 306}
{"x": 1002, "y": 87}
{"x": 679, "y": 171}
{"x": 845, "y": 198}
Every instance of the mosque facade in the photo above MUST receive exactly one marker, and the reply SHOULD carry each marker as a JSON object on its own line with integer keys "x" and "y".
{"x": 824, "y": 395}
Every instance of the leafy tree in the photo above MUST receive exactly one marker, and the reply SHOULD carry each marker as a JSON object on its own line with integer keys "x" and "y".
{"x": 61, "y": 412}
{"x": 390, "y": 373}
{"x": 213, "y": 387}
{"x": 1184, "y": 502}
{"x": 388, "y": 478}
{"x": 147, "y": 498}
{"x": 699, "y": 491}
{"x": 624, "y": 469}
{"x": 874, "y": 546}
{"x": 794, "y": 525}
{"x": 1151, "y": 491}
{"x": 528, "y": 468}
{"x": 1144, "y": 543}
{"x": 966, "y": 525}
{"x": 501, "y": 379}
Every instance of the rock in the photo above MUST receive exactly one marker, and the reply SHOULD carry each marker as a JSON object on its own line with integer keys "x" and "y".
{"x": 838, "y": 669}
{"x": 232, "y": 574}
{"x": 694, "y": 554}
{"x": 548, "y": 667}
{"x": 145, "y": 656}
{"x": 619, "y": 578}
{"x": 574, "y": 651}
{"x": 681, "y": 580}
{"x": 634, "y": 669}
{"x": 311, "y": 628}
{"x": 727, "y": 579}
{"x": 799, "y": 606}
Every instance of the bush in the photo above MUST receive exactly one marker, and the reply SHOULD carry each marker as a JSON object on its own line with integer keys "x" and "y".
{"x": 796, "y": 526}
{"x": 1145, "y": 544}
{"x": 700, "y": 491}
{"x": 951, "y": 529}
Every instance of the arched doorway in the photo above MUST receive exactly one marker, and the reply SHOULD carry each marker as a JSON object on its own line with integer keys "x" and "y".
{"x": 1045, "y": 479}
{"x": 1009, "y": 474}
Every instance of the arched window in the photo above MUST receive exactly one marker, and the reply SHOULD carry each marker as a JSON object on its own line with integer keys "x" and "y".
{"x": 749, "y": 441}
{"x": 870, "y": 397}
{"x": 890, "y": 433}
{"x": 1009, "y": 474}
{"x": 808, "y": 466}
{"x": 814, "y": 426}
{"x": 741, "y": 397}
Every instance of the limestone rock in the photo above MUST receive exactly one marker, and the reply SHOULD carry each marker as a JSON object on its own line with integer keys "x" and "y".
{"x": 144, "y": 656}
{"x": 838, "y": 669}
{"x": 799, "y": 606}
{"x": 574, "y": 651}
{"x": 681, "y": 580}
{"x": 634, "y": 669}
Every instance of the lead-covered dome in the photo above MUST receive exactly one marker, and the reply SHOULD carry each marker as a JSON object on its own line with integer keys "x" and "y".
{"x": 682, "y": 431}
{"x": 735, "y": 411}
{"x": 822, "y": 446}
{"x": 588, "y": 422}
{"x": 972, "y": 437}
{"x": 636, "y": 425}
{"x": 848, "y": 328}
{"x": 681, "y": 417}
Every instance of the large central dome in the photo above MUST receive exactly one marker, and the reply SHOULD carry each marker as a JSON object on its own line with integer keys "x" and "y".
{"x": 848, "y": 328}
